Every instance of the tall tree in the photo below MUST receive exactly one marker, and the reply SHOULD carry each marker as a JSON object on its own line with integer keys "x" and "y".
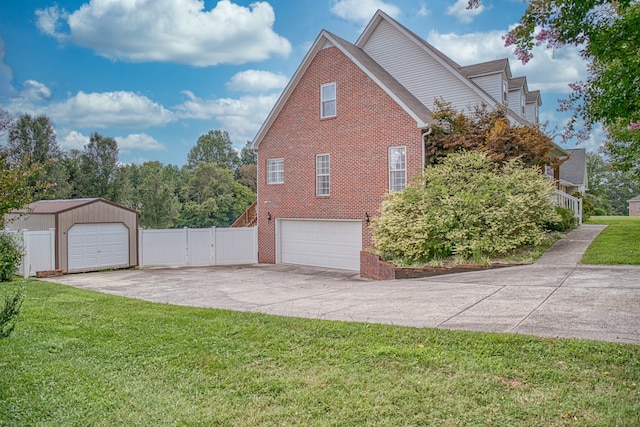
{"x": 215, "y": 146}
{"x": 213, "y": 197}
{"x": 32, "y": 141}
{"x": 98, "y": 163}
{"x": 156, "y": 196}
{"x": 607, "y": 33}
{"x": 609, "y": 188}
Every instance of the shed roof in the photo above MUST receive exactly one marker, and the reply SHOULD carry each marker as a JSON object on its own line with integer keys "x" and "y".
{"x": 58, "y": 206}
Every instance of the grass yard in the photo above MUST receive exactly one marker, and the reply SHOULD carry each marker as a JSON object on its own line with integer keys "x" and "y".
{"x": 83, "y": 358}
{"x": 618, "y": 244}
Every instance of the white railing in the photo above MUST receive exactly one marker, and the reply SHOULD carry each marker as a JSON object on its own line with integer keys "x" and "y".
{"x": 564, "y": 200}
{"x": 197, "y": 246}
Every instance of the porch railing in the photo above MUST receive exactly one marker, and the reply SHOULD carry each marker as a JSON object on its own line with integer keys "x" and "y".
{"x": 248, "y": 218}
{"x": 566, "y": 201}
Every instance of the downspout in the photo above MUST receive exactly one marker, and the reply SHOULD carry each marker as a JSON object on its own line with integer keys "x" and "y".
{"x": 426, "y": 132}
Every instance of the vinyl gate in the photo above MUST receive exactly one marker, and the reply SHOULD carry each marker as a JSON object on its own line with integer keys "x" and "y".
{"x": 197, "y": 247}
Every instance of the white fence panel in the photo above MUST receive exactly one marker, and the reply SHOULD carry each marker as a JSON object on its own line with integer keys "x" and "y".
{"x": 162, "y": 247}
{"x": 39, "y": 252}
{"x": 198, "y": 246}
{"x": 236, "y": 245}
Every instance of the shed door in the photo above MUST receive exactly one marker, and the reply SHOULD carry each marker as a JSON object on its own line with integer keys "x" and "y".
{"x": 97, "y": 246}
{"x": 333, "y": 244}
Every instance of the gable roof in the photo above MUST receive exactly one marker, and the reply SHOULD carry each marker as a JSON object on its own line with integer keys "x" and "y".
{"x": 635, "y": 199}
{"x": 487, "y": 68}
{"x": 59, "y": 206}
{"x": 574, "y": 169}
{"x": 534, "y": 96}
{"x": 421, "y": 114}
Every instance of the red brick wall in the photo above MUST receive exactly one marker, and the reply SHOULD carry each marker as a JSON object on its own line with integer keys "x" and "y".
{"x": 367, "y": 122}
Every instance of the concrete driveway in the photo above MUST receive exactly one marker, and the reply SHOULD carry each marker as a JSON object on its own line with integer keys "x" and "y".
{"x": 554, "y": 297}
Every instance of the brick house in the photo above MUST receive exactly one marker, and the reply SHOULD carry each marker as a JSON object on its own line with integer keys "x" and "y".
{"x": 349, "y": 128}
{"x": 634, "y": 206}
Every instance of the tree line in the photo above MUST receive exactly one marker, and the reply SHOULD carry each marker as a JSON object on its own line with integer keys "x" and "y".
{"x": 215, "y": 186}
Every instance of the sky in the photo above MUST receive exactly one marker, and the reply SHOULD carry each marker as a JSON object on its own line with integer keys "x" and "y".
{"x": 157, "y": 74}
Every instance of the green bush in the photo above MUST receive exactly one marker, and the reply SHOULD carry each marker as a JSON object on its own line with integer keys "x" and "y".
{"x": 467, "y": 206}
{"x": 10, "y": 256}
{"x": 10, "y": 312}
{"x": 566, "y": 221}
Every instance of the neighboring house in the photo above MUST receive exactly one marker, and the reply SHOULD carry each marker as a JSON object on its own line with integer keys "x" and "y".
{"x": 573, "y": 172}
{"x": 634, "y": 206}
{"x": 349, "y": 128}
{"x": 90, "y": 234}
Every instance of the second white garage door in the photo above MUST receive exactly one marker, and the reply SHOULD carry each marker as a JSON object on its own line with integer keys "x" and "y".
{"x": 321, "y": 243}
{"x": 92, "y": 246}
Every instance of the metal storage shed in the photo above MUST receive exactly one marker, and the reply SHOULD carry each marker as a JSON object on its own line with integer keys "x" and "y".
{"x": 91, "y": 234}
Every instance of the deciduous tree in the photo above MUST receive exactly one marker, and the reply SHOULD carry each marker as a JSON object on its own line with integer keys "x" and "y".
{"x": 215, "y": 146}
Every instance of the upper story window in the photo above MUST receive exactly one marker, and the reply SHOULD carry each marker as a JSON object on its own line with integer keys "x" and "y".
{"x": 505, "y": 92}
{"x": 397, "y": 168}
{"x": 522, "y": 105}
{"x": 328, "y": 100}
{"x": 275, "y": 171}
{"x": 322, "y": 175}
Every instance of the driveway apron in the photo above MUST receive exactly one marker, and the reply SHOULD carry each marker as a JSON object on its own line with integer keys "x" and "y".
{"x": 555, "y": 297}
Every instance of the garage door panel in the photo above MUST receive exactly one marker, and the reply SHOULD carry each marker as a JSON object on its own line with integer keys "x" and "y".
{"x": 92, "y": 246}
{"x": 333, "y": 244}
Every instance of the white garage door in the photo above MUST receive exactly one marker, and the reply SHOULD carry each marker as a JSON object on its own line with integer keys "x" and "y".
{"x": 333, "y": 244}
{"x": 92, "y": 246}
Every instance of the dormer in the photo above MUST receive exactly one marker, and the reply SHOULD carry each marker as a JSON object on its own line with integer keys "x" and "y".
{"x": 533, "y": 103}
{"x": 518, "y": 95}
{"x": 492, "y": 77}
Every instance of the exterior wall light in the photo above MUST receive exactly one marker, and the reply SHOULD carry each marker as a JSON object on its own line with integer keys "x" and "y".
{"x": 268, "y": 216}
{"x": 366, "y": 218}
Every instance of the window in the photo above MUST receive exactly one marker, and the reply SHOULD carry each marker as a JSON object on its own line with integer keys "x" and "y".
{"x": 397, "y": 168}
{"x": 322, "y": 175}
{"x": 275, "y": 171}
{"x": 328, "y": 100}
{"x": 637, "y": 207}
{"x": 504, "y": 92}
{"x": 537, "y": 115}
{"x": 522, "y": 105}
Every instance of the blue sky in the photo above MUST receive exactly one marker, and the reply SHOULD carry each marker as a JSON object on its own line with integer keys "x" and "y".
{"x": 157, "y": 74}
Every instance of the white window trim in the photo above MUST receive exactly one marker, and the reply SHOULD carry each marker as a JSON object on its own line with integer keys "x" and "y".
{"x": 322, "y": 100}
{"x": 638, "y": 207}
{"x": 278, "y": 173}
{"x": 505, "y": 92}
{"x": 391, "y": 189}
{"x": 328, "y": 175}
{"x": 522, "y": 105}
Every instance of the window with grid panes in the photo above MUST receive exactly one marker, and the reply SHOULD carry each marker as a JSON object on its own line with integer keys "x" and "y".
{"x": 322, "y": 175}
{"x": 397, "y": 168}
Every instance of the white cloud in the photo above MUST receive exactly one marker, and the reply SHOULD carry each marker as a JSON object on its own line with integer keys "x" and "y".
{"x": 361, "y": 11}
{"x": 257, "y": 81}
{"x": 138, "y": 141}
{"x": 549, "y": 71}
{"x": 35, "y": 91}
{"x": 180, "y": 31}
{"x": 241, "y": 117}
{"x": 423, "y": 11}
{"x": 6, "y": 75}
{"x": 73, "y": 140}
{"x": 110, "y": 109}
{"x": 132, "y": 142}
{"x": 460, "y": 11}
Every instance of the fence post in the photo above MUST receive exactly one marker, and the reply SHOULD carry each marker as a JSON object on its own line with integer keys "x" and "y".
{"x": 52, "y": 248}
{"x": 26, "y": 267}
{"x": 140, "y": 251}
{"x": 212, "y": 240}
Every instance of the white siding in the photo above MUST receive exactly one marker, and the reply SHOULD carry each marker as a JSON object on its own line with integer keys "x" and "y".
{"x": 417, "y": 70}
{"x": 491, "y": 84}
{"x": 531, "y": 112}
{"x": 514, "y": 101}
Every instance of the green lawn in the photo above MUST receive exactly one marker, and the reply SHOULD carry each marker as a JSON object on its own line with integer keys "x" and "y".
{"x": 618, "y": 244}
{"x": 83, "y": 358}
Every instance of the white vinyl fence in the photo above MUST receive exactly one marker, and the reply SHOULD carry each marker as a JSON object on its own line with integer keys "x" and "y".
{"x": 197, "y": 247}
{"x": 38, "y": 251}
